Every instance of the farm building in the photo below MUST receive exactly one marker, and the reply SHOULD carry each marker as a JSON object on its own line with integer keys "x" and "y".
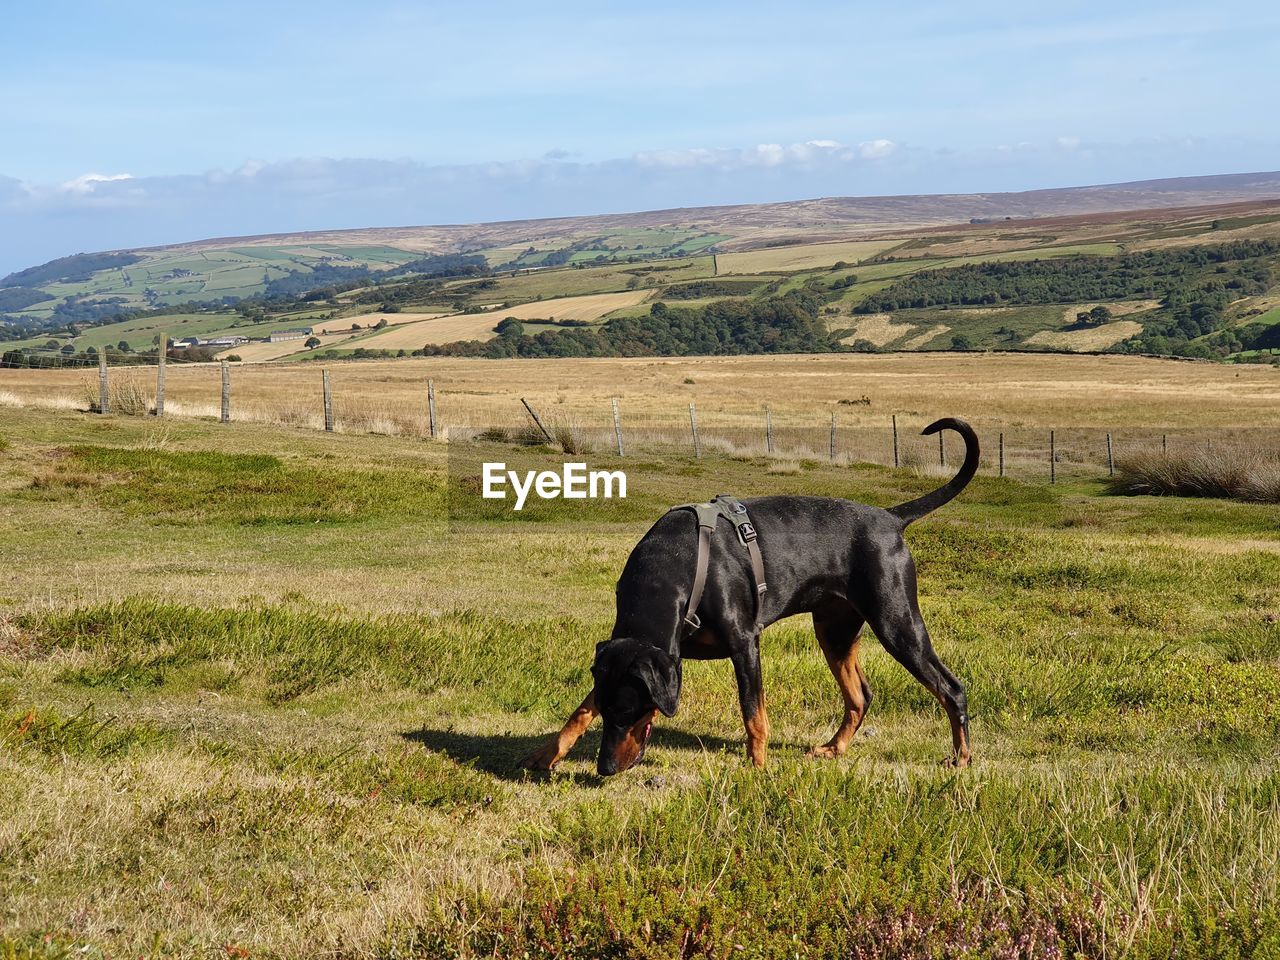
{"x": 293, "y": 333}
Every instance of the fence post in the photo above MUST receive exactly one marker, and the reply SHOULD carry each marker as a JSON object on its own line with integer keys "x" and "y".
{"x": 538, "y": 420}
{"x": 161, "y": 356}
{"x": 1002, "y": 453}
{"x": 1053, "y": 457}
{"x": 942, "y": 450}
{"x": 431, "y": 408}
{"x": 895, "y": 440}
{"x": 693, "y": 426}
{"x": 1164, "y": 444}
{"x": 328, "y": 401}
{"x": 768, "y": 430}
{"x": 833, "y": 435}
{"x": 104, "y": 397}
{"x": 226, "y": 392}
{"x": 1111, "y": 458}
{"x": 617, "y": 427}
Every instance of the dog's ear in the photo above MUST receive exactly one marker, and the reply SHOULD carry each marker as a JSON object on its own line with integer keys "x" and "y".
{"x": 661, "y": 675}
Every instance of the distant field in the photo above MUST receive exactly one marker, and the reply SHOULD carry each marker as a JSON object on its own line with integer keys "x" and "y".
{"x": 802, "y": 256}
{"x": 1030, "y": 390}
{"x": 1092, "y": 338}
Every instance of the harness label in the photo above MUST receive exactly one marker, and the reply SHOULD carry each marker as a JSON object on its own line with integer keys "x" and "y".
{"x": 573, "y": 482}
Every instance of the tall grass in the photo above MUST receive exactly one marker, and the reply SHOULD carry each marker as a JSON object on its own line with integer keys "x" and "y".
{"x": 1233, "y": 474}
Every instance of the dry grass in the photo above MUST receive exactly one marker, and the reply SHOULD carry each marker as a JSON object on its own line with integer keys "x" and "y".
{"x": 1023, "y": 396}
{"x": 801, "y": 257}
{"x": 921, "y": 339}
{"x": 127, "y": 395}
{"x": 1092, "y": 338}
{"x": 479, "y": 326}
{"x": 878, "y": 328}
{"x": 1234, "y": 474}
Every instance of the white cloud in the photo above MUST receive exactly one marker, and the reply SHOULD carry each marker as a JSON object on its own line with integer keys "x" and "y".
{"x": 768, "y": 155}
{"x": 87, "y": 181}
{"x": 876, "y": 149}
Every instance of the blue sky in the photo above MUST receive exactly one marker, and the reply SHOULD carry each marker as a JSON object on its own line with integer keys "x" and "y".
{"x": 236, "y": 117}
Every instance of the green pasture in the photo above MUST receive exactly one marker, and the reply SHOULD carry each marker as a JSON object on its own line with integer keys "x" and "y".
{"x": 262, "y": 691}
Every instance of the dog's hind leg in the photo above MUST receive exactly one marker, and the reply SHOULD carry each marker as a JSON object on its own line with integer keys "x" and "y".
{"x": 839, "y": 632}
{"x": 892, "y": 610}
{"x": 553, "y": 751}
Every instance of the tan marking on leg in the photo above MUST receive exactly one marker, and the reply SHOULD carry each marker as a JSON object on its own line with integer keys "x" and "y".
{"x": 960, "y": 755}
{"x": 553, "y": 751}
{"x": 758, "y": 735}
{"x": 849, "y": 677}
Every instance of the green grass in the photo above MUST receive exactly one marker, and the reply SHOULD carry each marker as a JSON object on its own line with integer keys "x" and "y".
{"x": 221, "y": 720}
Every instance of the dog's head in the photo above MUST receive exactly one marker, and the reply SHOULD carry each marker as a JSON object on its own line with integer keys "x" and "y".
{"x": 634, "y": 681}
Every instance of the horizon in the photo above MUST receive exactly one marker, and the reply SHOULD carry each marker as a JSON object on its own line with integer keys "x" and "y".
{"x": 163, "y": 126}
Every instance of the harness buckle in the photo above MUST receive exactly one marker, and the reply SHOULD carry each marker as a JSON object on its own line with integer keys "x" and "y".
{"x": 746, "y": 531}
{"x": 692, "y": 622}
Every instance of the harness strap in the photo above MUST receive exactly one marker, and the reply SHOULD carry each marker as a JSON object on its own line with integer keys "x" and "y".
{"x": 708, "y": 514}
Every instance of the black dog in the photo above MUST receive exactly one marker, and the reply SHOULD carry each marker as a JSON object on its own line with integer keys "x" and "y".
{"x": 843, "y": 562}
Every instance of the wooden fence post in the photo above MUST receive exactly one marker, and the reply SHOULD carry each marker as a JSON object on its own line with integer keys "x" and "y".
{"x": 693, "y": 426}
{"x": 1164, "y": 444}
{"x": 617, "y": 427}
{"x": 538, "y": 420}
{"x": 104, "y": 396}
{"x": 226, "y": 392}
{"x": 1002, "y": 453}
{"x": 895, "y": 440}
{"x": 328, "y": 401}
{"x": 1053, "y": 457}
{"x": 768, "y": 430}
{"x": 161, "y": 356}
{"x": 431, "y": 408}
{"x": 1111, "y": 458}
{"x": 942, "y": 450}
{"x": 833, "y": 435}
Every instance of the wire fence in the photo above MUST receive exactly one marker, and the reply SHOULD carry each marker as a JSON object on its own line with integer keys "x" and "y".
{"x": 845, "y": 433}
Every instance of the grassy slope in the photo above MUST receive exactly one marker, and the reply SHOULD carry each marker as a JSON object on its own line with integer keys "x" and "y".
{"x": 247, "y": 701}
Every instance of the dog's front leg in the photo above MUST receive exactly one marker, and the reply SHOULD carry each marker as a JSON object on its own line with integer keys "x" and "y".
{"x": 746, "y": 666}
{"x": 553, "y": 751}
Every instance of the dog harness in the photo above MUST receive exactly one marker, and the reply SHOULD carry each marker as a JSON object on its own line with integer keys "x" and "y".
{"x": 708, "y": 514}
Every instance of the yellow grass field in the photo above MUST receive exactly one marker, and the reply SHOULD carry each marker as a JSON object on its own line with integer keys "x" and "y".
{"x": 479, "y": 326}
{"x": 258, "y": 352}
{"x": 371, "y": 319}
{"x": 877, "y": 328}
{"x": 1028, "y": 390}
{"x": 801, "y": 257}
{"x": 1093, "y": 338}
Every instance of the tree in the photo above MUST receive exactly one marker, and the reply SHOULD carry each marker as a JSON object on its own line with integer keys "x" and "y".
{"x": 961, "y": 343}
{"x": 509, "y": 327}
{"x": 123, "y": 347}
{"x": 312, "y": 342}
{"x": 68, "y": 349}
{"x": 382, "y": 322}
{"x": 1100, "y": 314}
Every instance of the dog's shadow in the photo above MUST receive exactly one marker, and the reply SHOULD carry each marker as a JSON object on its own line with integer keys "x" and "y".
{"x": 500, "y": 754}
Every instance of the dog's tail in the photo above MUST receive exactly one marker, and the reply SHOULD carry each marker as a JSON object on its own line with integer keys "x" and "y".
{"x": 913, "y": 510}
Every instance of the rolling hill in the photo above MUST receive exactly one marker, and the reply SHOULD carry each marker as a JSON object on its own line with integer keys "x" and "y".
{"x": 842, "y": 254}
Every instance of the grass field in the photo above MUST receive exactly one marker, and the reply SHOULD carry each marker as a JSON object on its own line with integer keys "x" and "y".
{"x": 262, "y": 690}
{"x": 804, "y": 256}
{"x": 479, "y": 326}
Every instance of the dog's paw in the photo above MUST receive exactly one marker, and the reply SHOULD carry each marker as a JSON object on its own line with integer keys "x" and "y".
{"x": 824, "y": 752}
{"x": 956, "y": 761}
{"x": 544, "y": 758}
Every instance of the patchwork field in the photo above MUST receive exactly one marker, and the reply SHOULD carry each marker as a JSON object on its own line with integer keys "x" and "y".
{"x": 479, "y": 326}
{"x": 801, "y": 257}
